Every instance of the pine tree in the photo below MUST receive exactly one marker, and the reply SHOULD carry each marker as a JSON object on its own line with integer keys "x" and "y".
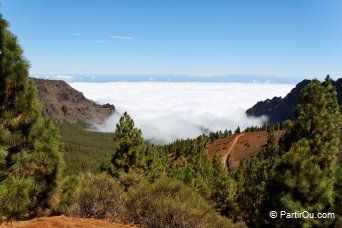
{"x": 237, "y": 131}
{"x": 223, "y": 189}
{"x": 305, "y": 175}
{"x": 270, "y": 151}
{"x": 226, "y": 133}
{"x": 252, "y": 177}
{"x": 338, "y": 197}
{"x": 203, "y": 169}
{"x": 67, "y": 193}
{"x": 129, "y": 147}
{"x": 30, "y": 158}
{"x": 156, "y": 162}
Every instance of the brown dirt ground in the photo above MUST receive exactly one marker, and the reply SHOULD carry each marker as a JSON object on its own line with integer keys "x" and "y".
{"x": 64, "y": 222}
{"x": 247, "y": 145}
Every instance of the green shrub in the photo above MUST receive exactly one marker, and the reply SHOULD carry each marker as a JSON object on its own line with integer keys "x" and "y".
{"x": 130, "y": 179}
{"x": 100, "y": 196}
{"x": 170, "y": 203}
{"x": 164, "y": 203}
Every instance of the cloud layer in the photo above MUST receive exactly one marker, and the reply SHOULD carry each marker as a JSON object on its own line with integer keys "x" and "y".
{"x": 167, "y": 111}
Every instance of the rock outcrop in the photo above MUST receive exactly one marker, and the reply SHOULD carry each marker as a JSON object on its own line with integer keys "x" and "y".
{"x": 280, "y": 109}
{"x": 62, "y": 103}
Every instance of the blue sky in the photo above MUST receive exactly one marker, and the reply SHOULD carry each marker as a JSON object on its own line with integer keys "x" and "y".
{"x": 294, "y": 39}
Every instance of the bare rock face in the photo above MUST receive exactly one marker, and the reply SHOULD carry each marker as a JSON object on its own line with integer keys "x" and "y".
{"x": 62, "y": 103}
{"x": 280, "y": 109}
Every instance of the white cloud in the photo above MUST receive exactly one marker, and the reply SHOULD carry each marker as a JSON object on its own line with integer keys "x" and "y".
{"x": 122, "y": 37}
{"x": 99, "y": 41}
{"x": 77, "y": 34}
{"x": 167, "y": 111}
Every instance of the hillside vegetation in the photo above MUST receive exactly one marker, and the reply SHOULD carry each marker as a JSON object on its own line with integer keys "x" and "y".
{"x": 84, "y": 150}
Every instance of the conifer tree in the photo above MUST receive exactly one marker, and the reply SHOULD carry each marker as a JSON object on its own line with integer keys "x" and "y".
{"x": 250, "y": 182}
{"x": 252, "y": 177}
{"x": 270, "y": 151}
{"x": 305, "y": 175}
{"x": 237, "y": 131}
{"x": 338, "y": 197}
{"x": 30, "y": 158}
{"x": 156, "y": 160}
{"x": 203, "y": 169}
{"x": 129, "y": 147}
{"x": 224, "y": 189}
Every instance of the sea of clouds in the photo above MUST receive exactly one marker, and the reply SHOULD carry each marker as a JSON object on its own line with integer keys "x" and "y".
{"x": 168, "y": 111}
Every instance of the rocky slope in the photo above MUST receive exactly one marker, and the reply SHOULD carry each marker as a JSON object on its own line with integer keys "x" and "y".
{"x": 280, "y": 109}
{"x": 62, "y": 103}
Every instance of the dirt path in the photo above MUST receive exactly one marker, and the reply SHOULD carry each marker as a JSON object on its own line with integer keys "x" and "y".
{"x": 224, "y": 158}
{"x": 65, "y": 222}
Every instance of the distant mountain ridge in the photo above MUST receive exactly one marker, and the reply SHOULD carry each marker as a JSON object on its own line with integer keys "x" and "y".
{"x": 279, "y": 109}
{"x": 233, "y": 78}
{"x": 62, "y": 103}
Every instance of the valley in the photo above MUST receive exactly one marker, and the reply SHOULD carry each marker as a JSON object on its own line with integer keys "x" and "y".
{"x": 170, "y": 114}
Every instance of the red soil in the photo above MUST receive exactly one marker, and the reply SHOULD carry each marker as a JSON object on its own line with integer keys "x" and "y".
{"x": 65, "y": 222}
{"x": 236, "y": 148}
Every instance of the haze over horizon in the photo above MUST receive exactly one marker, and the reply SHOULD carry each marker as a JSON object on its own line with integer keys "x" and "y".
{"x": 240, "y": 78}
{"x": 290, "y": 40}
